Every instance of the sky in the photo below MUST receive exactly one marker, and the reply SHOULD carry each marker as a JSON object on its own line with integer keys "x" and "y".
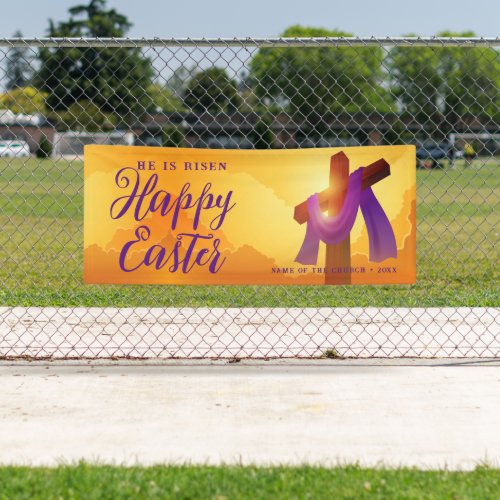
{"x": 261, "y": 18}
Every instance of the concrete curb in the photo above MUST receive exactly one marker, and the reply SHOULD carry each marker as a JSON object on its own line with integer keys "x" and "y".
{"x": 158, "y": 333}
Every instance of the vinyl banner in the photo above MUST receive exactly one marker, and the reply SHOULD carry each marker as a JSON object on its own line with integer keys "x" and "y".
{"x": 289, "y": 217}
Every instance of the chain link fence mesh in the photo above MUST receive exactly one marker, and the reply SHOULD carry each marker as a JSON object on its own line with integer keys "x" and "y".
{"x": 441, "y": 94}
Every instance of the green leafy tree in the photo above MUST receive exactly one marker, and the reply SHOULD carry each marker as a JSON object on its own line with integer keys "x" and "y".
{"x": 433, "y": 83}
{"x": 84, "y": 116}
{"x": 161, "y": 98}
{"x": 212, "y": 91}
{"x": 312, "y": 81}
{"x": 19, "y": 66}
{"x": 44, "y": 148}
{"x": 417, "y": 81}
{"x": 26, "y": 100}
{"x": 172, "y": 136}
{"x": 113, "y": 79}
{"x": 471, "y": 80}
{"x": 178, "y": 80}
{"x": 262, "y": 136}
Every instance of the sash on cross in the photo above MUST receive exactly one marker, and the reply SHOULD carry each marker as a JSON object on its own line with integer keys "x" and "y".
{"x": 334, "y": 229}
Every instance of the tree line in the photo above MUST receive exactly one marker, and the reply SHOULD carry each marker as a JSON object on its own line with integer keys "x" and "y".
{"x": 102, "y": 88}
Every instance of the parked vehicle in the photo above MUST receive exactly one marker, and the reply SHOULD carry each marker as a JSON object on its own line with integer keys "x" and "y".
{"x": 14, "y": 149}
{"x": 429, "y": 153}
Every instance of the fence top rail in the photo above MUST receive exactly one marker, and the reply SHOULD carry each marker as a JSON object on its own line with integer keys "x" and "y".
{"x": 253, "y": 42}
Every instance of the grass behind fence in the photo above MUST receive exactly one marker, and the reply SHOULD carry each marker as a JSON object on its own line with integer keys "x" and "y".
{"x": 41, "y": 247}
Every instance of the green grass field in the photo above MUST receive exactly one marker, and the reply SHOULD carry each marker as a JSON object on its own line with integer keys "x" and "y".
{"x": 41, "y": 247}
{"x": 220, "y": 483}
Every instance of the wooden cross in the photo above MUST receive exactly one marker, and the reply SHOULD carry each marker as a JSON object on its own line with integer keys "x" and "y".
{"x": 332, "y": 199}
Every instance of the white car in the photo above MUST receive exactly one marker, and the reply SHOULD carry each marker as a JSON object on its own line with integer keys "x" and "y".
{"x": 14, "y": 149}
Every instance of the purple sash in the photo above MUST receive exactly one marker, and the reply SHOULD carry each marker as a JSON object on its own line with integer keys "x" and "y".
{"x": 333, "y": 230}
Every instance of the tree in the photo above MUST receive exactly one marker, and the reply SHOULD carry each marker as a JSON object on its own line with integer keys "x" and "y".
{"x": 262, "y": 136}
{"x": 44, "y": 148}
{"x": 312, "y": 81}
{"x": 113, "y": 79}
{"x": 84, "y": 116}
{"x": 161, "y": 98}
{"x": 417, "y": 81}
{"x": 472, "y": 81}
{"x": 172, "y": 137}
{"x": 25, "y": 100}
{"x": 436, "y": 83}
{"x": 19, "y": 66}
{"x": 212, "y": 91}
{"x": 176, "y": 83}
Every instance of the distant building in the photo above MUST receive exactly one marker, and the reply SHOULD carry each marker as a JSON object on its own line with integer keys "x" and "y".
{"x": 70, "y": 145}
{"x": 238, "y": 130}
{"x": 29, "y": 128}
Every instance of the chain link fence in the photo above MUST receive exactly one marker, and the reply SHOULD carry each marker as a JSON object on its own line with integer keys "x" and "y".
{"x": 441, "y": 94}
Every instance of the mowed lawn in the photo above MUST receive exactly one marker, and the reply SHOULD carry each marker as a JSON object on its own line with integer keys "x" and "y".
{"x": 225, "y": 483}
{"x": 41, "y": 247}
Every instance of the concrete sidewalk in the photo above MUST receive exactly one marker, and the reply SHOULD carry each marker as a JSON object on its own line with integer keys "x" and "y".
{"x": 402, "y": 412}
